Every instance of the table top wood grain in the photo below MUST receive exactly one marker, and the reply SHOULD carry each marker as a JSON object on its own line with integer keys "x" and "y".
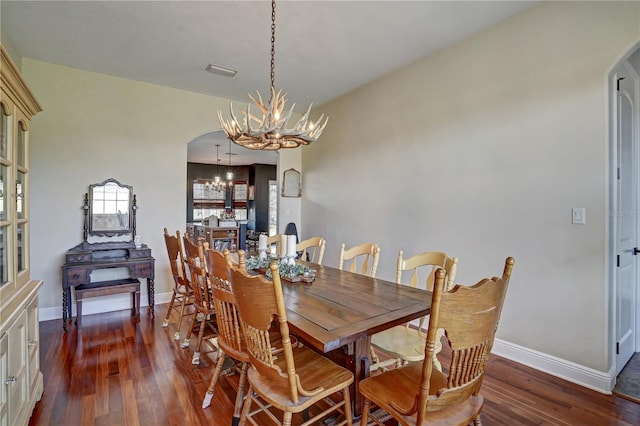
{"x": 341, "y": 307}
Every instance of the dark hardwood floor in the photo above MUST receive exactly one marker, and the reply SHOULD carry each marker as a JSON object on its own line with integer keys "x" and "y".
{"x": 117, "y": 371}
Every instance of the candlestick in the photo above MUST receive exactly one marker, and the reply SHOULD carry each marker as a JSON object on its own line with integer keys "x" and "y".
{"x": 283, "y": 245}
{"x": 291, "y": 246}
{"x": 262, "y": 242}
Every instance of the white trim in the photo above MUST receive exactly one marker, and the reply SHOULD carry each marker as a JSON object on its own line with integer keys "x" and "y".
{"x": 599, "y": 381}
{"x": 97, "y": 305}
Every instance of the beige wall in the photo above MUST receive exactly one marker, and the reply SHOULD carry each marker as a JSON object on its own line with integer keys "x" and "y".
{"x": 481, "y": 150}
{"x": 94, "y": 127}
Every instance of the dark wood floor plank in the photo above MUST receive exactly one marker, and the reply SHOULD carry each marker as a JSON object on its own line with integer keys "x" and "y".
{"x": 119, "y": 371}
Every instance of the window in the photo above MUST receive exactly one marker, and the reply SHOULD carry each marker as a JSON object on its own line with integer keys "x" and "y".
{"x": 273, "y": 207}
{"x": 207, "y": 200}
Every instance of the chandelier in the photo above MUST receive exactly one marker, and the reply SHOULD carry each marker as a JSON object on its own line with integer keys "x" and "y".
{"x": 270, "y": 131}
{"x": 229, "y": 174}
{"x": 218, "y": 184}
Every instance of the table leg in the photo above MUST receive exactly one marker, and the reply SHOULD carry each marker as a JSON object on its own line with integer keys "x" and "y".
{"x": 136, "y": 303}
{"x": 150, "y": 294}
{"x": 69, "y": 303}
{"x": 361, "y": 370}
{"x": 64, "y": 308}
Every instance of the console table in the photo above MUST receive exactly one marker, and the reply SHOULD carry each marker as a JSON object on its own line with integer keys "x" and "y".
{"x": 85, "y": 258}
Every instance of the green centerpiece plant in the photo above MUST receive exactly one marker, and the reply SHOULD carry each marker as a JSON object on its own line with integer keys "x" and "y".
{"x": 256, "y": 263}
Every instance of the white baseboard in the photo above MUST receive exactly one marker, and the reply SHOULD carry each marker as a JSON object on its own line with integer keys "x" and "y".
{"x": 599, "y": 381}
{"x": 97, "y": 305}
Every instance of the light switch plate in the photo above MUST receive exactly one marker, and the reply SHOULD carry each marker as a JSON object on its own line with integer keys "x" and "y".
{"x": 578, "y": 215}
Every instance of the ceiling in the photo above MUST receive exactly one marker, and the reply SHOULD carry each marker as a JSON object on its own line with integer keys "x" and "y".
{"x": 324, "y": 49}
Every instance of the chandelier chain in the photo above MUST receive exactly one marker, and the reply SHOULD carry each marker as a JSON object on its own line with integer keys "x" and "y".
{"x": 270, "y": 131}
{"x": 273, "y": 41}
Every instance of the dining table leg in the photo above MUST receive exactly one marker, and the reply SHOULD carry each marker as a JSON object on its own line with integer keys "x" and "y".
{"x": 359, "y": 363}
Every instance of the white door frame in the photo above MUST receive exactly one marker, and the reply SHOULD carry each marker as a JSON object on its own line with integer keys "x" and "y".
{"x": 613, "y": 223}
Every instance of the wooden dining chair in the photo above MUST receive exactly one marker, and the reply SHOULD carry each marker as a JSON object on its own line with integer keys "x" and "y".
{"x": 204, "y": 319}
{"x": 312, "y": 249}
{"x": 182, "y": 295}
{"x": 365, "y": 252}
{"x": 418, "y": 394}
{"x": 293, "y": 379}
{"x": 405, "y": 342}
{"x": 230, "y": 337}
{"x": 273, "y": 244}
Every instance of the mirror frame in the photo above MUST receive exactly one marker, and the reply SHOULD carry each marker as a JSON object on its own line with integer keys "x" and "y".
{"x": 291, "y": 184}
{"x": 88, "y": 207}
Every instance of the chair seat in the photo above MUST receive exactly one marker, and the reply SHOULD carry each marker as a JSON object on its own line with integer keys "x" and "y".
{"x": 315, "y": 371}
{"x": 182, "y": 290}
{"x": 401, "y": 386}
{"x": 402, "y": 342}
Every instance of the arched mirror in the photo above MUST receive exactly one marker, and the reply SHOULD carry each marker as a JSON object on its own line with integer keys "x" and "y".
{"x": 110, "y": 206}
{"x": 291, "y": 185}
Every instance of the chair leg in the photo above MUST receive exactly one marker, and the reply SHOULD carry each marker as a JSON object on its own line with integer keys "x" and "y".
{"x": 374, "y": 355}
{"x": 477, "y": 421}
{"x": 185, "y": 343}
{"x": 364, "y": 419}
{"x": 240, "y": 395}
{"x": 196, "y": 355}
{"x": 347, "y": 405}
{"x": 165, "y": 323}
{"x": 214, "y": 380}
{"x": 183, "y": 303}
{"x": 286, "y": 419}
{"x": 246, "y": 408}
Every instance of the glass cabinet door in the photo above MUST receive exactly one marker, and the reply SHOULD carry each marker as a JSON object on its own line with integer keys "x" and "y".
{"x": 5, "y": 224}
{"x": 14, "y": 209}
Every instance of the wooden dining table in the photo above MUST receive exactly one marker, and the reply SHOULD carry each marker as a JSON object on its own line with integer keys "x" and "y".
{"x": 339, "y": 311}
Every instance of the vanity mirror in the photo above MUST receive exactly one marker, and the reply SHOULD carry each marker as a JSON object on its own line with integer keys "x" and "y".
{"x": 110, "y": 209}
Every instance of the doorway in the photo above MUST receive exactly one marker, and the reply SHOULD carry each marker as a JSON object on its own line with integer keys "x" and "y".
{"x": 625, "y": 224}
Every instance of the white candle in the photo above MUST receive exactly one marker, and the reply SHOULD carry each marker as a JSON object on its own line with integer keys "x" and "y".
{"x": 262, "y": 242}
{"x": 283, "y": 245}
{"x": 291, "y": 246}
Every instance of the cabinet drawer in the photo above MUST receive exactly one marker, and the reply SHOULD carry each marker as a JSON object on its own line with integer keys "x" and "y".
{"x": 78, "y": 257}
{"x": 76, "y": 276}
{"x": 223, "y": 234}
{"x": 143, "y": 270}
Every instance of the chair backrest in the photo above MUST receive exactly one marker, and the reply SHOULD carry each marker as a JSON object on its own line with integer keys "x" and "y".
{"x": 230, "y": 335}
{"x": 367, "y": 252}
{"x": 176, "y": 259}
{"x": 291, "y": 229}
{"x": 469, "y": 316}
{"x": 190, "y": 246}
{"x": 312, "y": 249}
{"x": 261, "y": 301}
{"x": 427, "y": 262}
{"x": 274, "y": 239}
{"x": 197, "y": 268}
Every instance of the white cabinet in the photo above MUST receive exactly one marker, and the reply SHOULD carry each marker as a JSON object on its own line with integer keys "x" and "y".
{"x": 4, "y": 364}
{"x": 33, "y": 350}
{"x": 16, "y": 380}
{"x": 20, "y": 377}
{"x": 21, "y": 381}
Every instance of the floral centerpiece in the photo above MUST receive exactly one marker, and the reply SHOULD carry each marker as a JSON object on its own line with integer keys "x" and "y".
{"x": 289, "y": 272}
